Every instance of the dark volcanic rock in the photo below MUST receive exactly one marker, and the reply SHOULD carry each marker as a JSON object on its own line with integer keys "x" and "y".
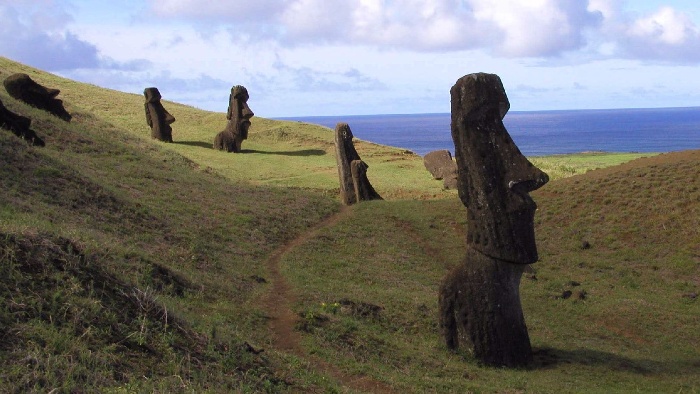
{"x": 22, "y": 87}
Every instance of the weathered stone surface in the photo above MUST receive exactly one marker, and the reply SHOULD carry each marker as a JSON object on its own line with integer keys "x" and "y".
{"x": 480, "y": 300}
{"x": 494, "y": 177}
{"x": 22, "y": 87}
{"x": 441, "y": 166}
{"x": 157, "y": 117}
{"x": 439, "y": 162}
{"x": 19, "y": 125}
{"x": 451, "y": 182}
{"x": 352, "y": 171}
{"x": 238, "y": 115}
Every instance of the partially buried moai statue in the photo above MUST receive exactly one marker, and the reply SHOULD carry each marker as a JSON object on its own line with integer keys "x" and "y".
{"x": 22, "y": 87}
{"x": 157, "y": 117}
{"x": 239, "y": 114}
{"x": 352, "y": 171}
{"x": 19, "y": 125}
{"x": 480, "y": 299}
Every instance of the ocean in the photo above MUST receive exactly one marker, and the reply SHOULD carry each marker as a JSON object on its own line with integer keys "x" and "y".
{"x": 539, "y": 133}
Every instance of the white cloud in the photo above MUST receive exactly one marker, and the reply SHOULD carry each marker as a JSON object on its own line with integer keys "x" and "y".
{"x": 667, "y": 35}
{"x": 258, "y": 11}
{"x": 509, "y": 27}
{"x": 535, "y": 28}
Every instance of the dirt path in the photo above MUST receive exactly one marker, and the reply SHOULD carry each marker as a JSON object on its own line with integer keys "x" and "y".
{"x": 278, "y": 304}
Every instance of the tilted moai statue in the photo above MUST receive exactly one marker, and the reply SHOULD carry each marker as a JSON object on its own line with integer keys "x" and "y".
{"x": 19, "y": 125}
{"x": 238, "y": 115}
{"x": 157, "y": 117}
{"x": 22, "y": 87}
{"x": 480, "y": 299}
{"x": 441, "y": 166}
{"x": 352, "y": 171}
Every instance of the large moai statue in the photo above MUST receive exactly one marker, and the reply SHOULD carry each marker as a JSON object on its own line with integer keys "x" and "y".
{"x": 22, "y": 87}
{"x": 479, "y": 300}
{"x": 19, "y": 125}
{"x": 157, "y": 117}
{"x": 238, "y": 115}
{"x": 352, "y": 171}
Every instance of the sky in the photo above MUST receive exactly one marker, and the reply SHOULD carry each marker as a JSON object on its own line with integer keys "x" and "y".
{"x": 357, "y": 57}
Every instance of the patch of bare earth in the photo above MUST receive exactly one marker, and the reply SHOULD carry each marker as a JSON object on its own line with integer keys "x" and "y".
{"x": 278, "y": 303}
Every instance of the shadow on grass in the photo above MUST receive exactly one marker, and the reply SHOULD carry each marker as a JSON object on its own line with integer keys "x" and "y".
{"x": 545, "y": 358}
{"x": 196, "y": 143}
{"x": 304, "y": 152}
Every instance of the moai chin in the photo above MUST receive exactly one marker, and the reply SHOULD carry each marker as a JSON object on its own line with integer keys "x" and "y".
{"x": 352, "y": 171}
{"x": 494, "y": 180}
{"x": 23, "y": 88}
{"x": 238, "y": 115}
{"x": 157, "y": 117}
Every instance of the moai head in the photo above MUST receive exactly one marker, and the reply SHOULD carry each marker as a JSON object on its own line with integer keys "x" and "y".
{"x": 238, "y": 111}
{"x": 152, "y": 95}
{"x": 494, "y": 177}
{"x": 22, "y": 87}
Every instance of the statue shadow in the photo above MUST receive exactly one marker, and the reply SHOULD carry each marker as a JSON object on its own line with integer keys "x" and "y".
{"x": 199, "y": 144}
{"x": 304, "y": 152}
{"x": 546, "y": 358}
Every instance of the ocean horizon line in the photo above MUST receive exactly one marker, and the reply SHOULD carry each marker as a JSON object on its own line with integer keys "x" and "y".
{"x": 509, "y": 112}
{"x": 538, "y": 133}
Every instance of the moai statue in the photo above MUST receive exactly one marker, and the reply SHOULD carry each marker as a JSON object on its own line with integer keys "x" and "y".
{"x": 352, "y": 171}
{"x": 441, "y": 166}
{"x": 157, "y": 117}
{"x": 239, "y": 114}
{"x": 480, "y": 299}
{"x": 19, "y": 125}
{"x": 22, "y": 87}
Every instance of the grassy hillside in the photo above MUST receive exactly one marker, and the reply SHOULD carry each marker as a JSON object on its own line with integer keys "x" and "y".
{"x": 127, "y": 264}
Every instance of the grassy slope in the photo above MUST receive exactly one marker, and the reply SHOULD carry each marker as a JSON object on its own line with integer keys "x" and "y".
{"x": 184, "y": 229}
{"x": 633, "y": 329}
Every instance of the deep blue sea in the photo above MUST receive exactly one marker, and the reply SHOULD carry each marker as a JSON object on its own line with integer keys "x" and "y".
{"x": 539, "y": 133}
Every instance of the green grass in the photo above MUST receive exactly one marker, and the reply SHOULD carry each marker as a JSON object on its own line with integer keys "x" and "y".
{"x": 563, "y": 166}
{"x": 130, "y": 265}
